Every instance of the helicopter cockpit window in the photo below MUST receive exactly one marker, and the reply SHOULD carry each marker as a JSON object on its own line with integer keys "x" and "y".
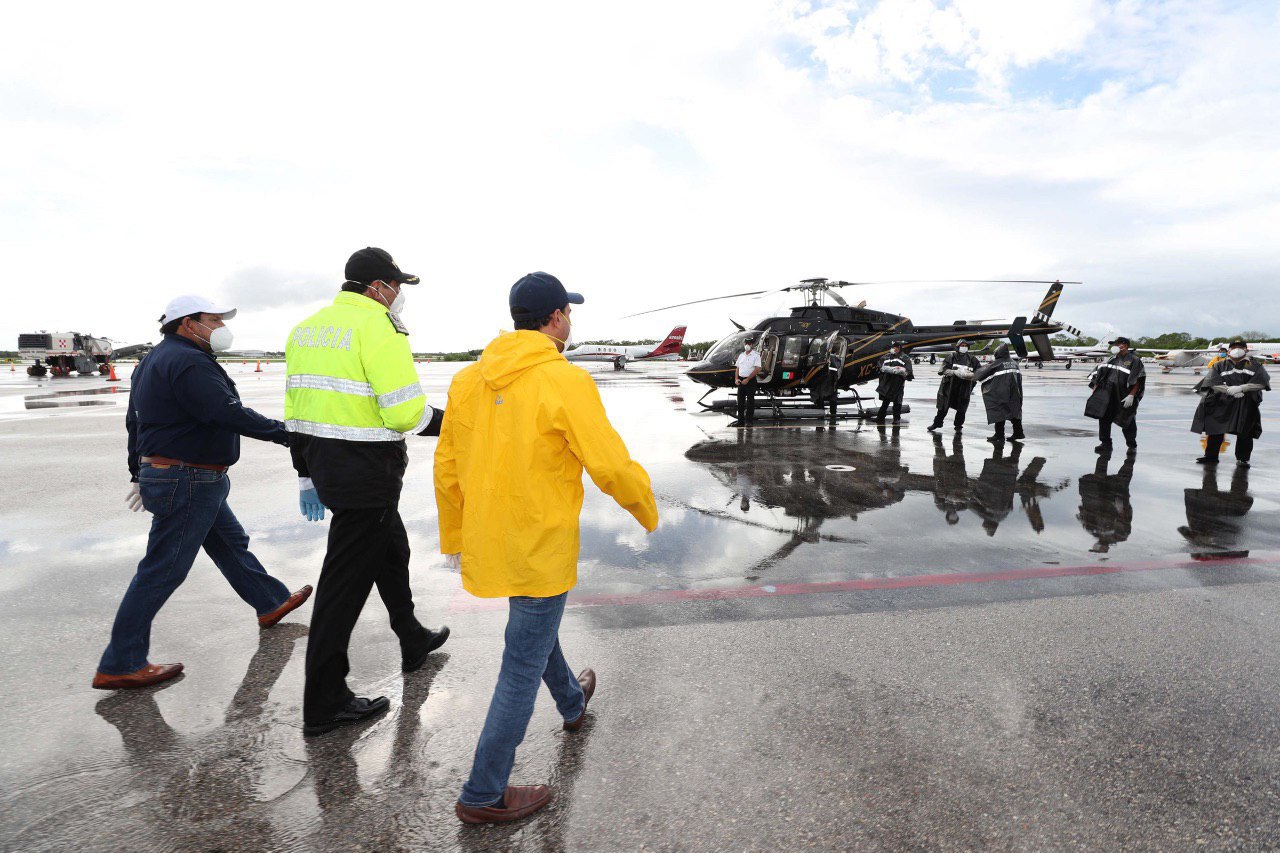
{"x": 817, "y": 350}
{"x": 791, "y": 351}
{"x": 725, "y": 353}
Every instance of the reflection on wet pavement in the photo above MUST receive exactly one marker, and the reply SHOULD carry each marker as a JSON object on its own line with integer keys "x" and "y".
{"x": 816, "y": 543}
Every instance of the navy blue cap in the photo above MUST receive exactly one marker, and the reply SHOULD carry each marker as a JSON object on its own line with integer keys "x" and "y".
{"x": 540, "y": 294}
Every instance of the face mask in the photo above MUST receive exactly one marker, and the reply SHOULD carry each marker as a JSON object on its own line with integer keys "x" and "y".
{"x": 396, "y": 305}
{"x": 219, "y": 338}
{"x": 962, "y": 350}
{"x": 1237, "y": 353}
{"x": 1115, "y": 350}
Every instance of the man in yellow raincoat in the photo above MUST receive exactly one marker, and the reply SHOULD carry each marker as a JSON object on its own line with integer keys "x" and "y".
{"x": 523, "y": 424}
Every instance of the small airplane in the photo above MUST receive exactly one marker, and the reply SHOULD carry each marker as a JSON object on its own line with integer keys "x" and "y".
{"x": 668, "y": 350}
{"x": 822, "y": 349}
{"x": 1199, "y": 358}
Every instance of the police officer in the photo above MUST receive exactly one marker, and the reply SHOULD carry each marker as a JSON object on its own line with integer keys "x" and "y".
{"x": 895, "y": 372}
{"x": 1231, "y": 401}
{"x": 1117, "y": 386}
{"x": 747, "y": 368}
{"x": 956, "y": 387}
{"x": 351, "y": 395}
{"x": 185, "y": 420}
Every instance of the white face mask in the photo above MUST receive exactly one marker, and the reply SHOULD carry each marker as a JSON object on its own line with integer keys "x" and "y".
{"x": 220, "y": 338}
{"x": 962, "y": 349}
{"x": 396, "y": 305}
{"x": 1115, "y": 350}
{"x": 1236, "y": 353}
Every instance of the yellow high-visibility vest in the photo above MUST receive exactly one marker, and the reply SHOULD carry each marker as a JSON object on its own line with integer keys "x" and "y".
{"x": 351, "y": 376}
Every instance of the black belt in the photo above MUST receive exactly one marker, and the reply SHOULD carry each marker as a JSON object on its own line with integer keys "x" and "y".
{"x": 166, "y": 462}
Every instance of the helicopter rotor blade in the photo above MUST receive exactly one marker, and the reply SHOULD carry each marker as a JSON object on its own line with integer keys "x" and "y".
{"x": 941, "y": 281}
{"x": 694, "y": 302}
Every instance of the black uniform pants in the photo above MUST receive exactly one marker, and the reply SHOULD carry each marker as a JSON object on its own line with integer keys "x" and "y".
{"x": 958, "y": 421}
{"x": 1017, "y": 428}
{"x": 897, "y": 409}
{"x": 1130, "y": 431}
{"x": 1244, "y": 446}
{"x": 367, "y": 547}
{"x": 746, "y": 401}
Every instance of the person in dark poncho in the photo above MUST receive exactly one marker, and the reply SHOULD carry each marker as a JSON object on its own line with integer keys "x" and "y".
{"x": 895, "y": 372}
{"x": 1001, "y": 384}
{"x": 1117, "y": 386}
{"x": 956, "y": 386}
{"x": 1231, "y": 395}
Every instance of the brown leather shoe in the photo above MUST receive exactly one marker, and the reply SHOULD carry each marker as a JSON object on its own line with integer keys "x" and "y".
{"x": 152, "y": 673}
{"x": 587, "y": 681}
{"x": 291, "y": 603}
{"x": 520, "y": 801}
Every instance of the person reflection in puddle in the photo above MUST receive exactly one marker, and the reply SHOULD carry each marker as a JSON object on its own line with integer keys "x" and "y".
{"x": 998, "y": 483}
{"x": 197, "y": 780}
{"x": 951, "y": 494}
{"x": 1215, "y": 519}
{"x": 1105, "y": 510}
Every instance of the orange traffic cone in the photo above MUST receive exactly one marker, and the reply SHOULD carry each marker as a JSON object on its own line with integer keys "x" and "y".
{"x": 258, "y": 369}
{"x": 113, "y": 377}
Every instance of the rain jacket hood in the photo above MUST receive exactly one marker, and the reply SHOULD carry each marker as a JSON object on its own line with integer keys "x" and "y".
{"x": 508, "y": 357}
{"x": 521, "y": 426}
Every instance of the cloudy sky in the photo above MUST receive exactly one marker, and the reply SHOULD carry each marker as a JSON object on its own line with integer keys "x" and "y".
{"x": 645, "y": 153}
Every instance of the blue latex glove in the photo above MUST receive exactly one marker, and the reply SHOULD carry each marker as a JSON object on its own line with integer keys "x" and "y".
{"x": 309, "y": 501}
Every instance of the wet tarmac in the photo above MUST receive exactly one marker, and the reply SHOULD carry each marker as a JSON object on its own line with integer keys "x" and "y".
{"x": 839, "y": 638}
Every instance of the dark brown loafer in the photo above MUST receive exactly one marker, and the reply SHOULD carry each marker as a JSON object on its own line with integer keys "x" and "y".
{"x": 519, "y": 801}
{"x": 291, "y": 604}
{"x": 587, "y": 681}
{"x": 152, "y": 673}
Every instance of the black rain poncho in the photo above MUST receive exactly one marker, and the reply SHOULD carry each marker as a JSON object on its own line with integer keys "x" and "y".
{"x": 1001, "y": 383}
{"x": 1111, "y": 383}
{"x": 892, "y": 384}
{"x": 1221, "y": 414}
{"x": 954, "y": 392}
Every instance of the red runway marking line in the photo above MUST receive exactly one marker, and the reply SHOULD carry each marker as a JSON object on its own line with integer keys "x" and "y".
{"x": 662, "y": 596}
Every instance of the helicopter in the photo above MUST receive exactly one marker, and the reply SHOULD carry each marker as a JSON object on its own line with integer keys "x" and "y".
{"x": 822, "y": 349}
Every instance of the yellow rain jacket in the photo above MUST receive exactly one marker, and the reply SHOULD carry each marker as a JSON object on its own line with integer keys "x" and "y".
{"x": 522, "y": 424}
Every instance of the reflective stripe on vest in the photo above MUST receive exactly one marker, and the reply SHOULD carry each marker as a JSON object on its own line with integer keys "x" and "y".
{"x": 355, "y": 388}
{"x": 1114, "y": 367}
{"x": 346, "y": 433}
{"x": 1235, "y": 370}
{"x": 1000, "y": 373}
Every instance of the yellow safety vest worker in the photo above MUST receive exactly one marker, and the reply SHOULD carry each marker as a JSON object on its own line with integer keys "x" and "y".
{"x": 351, "y": 374}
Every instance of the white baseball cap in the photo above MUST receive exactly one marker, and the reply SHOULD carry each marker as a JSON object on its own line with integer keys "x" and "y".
{"x": 181, "y": 306}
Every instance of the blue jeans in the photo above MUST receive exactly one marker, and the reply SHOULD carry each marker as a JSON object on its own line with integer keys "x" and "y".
{"x": 532, "y": 653}
{"x": 189, "y": 510}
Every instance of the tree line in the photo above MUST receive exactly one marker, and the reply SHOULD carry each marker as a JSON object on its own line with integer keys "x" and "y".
{"x": 1168, "y": 340}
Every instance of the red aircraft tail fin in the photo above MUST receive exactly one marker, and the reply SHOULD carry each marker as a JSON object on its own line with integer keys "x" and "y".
{"x": 670, "y": 345}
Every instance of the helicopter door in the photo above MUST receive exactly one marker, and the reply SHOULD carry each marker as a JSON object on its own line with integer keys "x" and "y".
{"x": 768, "y": 357}
{"x": 837, "y": 349}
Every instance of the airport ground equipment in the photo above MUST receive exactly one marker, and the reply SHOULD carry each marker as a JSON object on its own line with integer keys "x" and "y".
{"x": 64, "y": 353}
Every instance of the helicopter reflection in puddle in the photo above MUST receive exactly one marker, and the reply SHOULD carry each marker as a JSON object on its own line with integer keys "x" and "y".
{"x": 770, "y": 469}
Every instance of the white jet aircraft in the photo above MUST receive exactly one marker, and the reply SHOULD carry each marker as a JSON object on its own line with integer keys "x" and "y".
{"x": 668, "y": 350}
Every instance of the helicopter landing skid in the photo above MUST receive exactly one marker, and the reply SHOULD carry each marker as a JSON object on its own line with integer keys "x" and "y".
{"x": 774, "y": 408}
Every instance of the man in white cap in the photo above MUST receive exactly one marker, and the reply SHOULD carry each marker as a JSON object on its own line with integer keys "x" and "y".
{"x": 185, "y": 420}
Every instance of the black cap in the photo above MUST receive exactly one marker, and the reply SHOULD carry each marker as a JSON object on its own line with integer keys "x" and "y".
{"x": 1120, "y": 340}
{"x": 962, "y": 343}
{"x": 1239, "y": 342}
{"x": 369, "y": 265}
{"x": 539, "y": 294}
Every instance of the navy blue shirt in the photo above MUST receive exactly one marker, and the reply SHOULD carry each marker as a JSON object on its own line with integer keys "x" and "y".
{"x": 183, "y": 405}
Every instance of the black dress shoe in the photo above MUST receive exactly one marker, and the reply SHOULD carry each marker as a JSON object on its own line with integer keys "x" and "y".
{"x": 357, "y": 710}
{"x": 934, "y": 427}
{"x": 1104, "y": 447}
{"x": 413, "y": 658}
{"x": 996, "y": 439}
{"x": 1242, "y": 463}
{"x": 1207, "y": 460}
